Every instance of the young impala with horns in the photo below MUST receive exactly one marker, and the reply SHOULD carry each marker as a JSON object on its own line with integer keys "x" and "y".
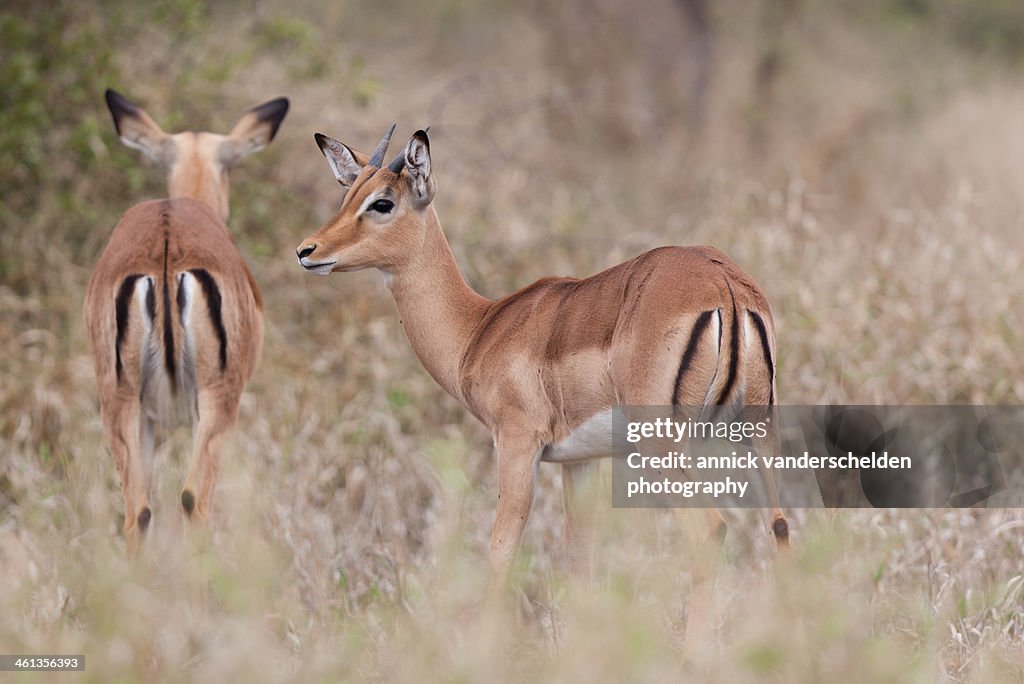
{"x": 544, "y": 367}
{"x": 173, "y": 314}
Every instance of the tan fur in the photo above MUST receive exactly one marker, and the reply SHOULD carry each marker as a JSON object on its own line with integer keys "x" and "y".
{"x": 167, "y": 246}
{"x": 540, "y": 366}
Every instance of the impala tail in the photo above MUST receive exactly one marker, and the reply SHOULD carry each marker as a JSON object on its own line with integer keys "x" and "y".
{"x": 165, "y": 324}
{"x": 727, "y": 360}
{"x": 745, "y": 371}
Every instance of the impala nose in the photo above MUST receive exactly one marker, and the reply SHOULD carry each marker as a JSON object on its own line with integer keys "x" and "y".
{"x": 304, "y": 252}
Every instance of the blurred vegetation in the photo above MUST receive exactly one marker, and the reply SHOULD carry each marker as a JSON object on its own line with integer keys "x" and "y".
{"x": 54, "y": 64}
{"x": 860, "y": 159}
{"x": 64, "y": 176}
{"x": 60, "y": 163}
{"x": 992, "y": 28}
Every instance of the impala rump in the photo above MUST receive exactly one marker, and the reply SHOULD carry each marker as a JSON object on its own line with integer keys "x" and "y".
{"x": 159, "y": 342}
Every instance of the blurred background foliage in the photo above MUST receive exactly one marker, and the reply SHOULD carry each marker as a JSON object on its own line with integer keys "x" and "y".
{"x": 58, "y": 57}
{"x": 860, "y": 158}
{"x": 63, "y": 177}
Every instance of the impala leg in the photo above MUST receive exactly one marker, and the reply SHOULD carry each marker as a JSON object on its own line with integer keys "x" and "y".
{"x": 780, "y": 528}
{"x": 517, "y": 475}
{"x": 578, "y": 481}
{"x": 217, "y": 414}
{"x": 123, "y": 426}
{"x": 779, "y": 524}
{"x": 705, "y": 532}
{"x": 770, "y": 446}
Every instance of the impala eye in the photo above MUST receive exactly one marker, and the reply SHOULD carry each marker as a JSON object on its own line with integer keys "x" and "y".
{"x": 383, "y": 206}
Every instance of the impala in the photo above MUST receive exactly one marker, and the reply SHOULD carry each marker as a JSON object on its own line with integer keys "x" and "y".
{"x": 545, "y": 367}
{"x": 174, "y": 317}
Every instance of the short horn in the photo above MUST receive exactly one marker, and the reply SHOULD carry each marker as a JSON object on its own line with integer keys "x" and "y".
{"x": 398, "y": 163}
{"x": 382, "y": 148}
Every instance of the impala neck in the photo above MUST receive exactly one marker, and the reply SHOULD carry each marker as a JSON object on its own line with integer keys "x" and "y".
{"x": 438, "y": 309}
{"x": 197, "y": 177}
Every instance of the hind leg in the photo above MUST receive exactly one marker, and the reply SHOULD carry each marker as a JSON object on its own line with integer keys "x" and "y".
{"x": 770, "y": 446}
{"x": 578, "y": 502}
{"x": 122, "y": 423}
{"x": 218, "y": 410}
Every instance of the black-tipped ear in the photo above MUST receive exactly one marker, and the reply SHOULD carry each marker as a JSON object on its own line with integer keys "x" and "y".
{"x": 323, "y": 142}
{"x": 120, "y": 107}
{"x": 417, "y": 161}
{"x": 136, "y": 129}
{"x": 272, "y": 113}
{"x": 340, "y": 158}
{"x": 254, "y": 131}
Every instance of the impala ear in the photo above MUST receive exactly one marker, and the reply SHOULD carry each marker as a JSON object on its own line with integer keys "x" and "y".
{"x": 417, "y": 163}
{"x": 137, "y": 130}
{"x": 254, "y": 131}
{"x": 345, "y": 162}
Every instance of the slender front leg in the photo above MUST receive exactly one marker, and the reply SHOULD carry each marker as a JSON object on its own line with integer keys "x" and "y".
{"x": 705, "y": 531}
{"x": 518, "y": 455}
{"x": 578, "y": 480}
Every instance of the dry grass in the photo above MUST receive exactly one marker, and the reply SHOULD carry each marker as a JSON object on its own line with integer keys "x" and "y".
{"x": 878, "y": 205}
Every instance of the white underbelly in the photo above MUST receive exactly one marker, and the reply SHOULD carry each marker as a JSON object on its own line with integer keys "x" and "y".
{"x": 594, "y": 438}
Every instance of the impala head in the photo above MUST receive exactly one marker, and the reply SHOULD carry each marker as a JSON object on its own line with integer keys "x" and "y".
{"x": 385, "y": 213}
{"x": 197, "y": 164}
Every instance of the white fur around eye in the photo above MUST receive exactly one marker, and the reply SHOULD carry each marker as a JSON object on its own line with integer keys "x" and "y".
{"x": 368, "y": 202}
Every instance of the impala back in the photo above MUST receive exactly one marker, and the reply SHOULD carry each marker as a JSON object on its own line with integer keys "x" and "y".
{"x": 174, "y": 284}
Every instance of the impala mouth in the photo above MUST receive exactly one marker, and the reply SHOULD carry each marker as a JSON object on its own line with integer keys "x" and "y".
{"x": 321, "y": 268}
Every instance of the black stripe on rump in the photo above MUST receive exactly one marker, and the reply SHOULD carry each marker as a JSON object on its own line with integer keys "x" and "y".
{"x": 213, "y": 304}
{"x": 766, "y": 349}
{"x": 122, "y": 307}
{"x": 734, "y": 350}
{"x": 151, "y": 301}
{"x": 168, "y": 328}
{"x": 690, "y": 352}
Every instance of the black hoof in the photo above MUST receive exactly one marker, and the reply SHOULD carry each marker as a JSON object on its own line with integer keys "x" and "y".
{"x": 144, "y": 515}
{"x": 188, "y": 501}
{"x": 781, "y": 529}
